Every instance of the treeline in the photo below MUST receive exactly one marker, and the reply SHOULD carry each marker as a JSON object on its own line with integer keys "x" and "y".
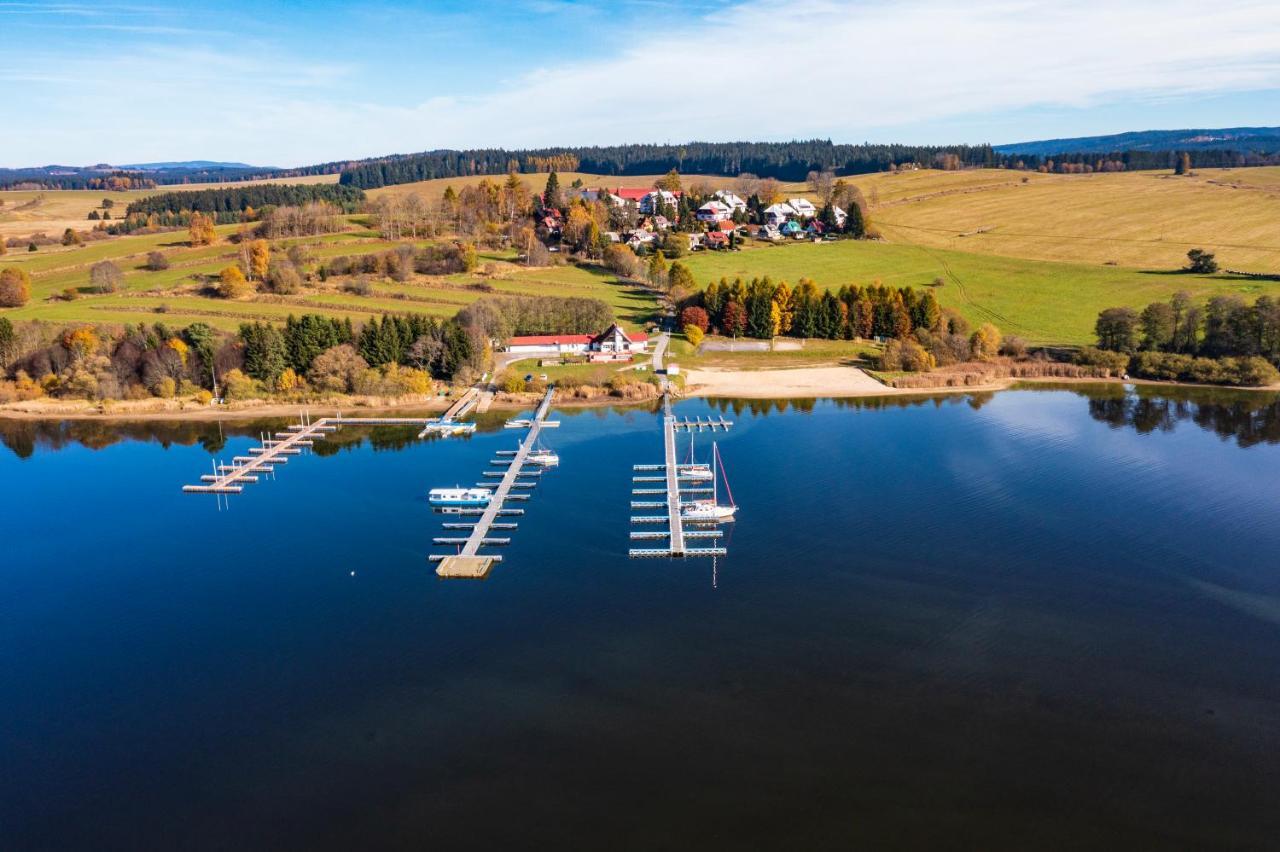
{"x": 1121, "y": 161}
{"x": 763, "y": 309}
{"x": 787, "y": 161}
{"x": 500, "y": 317}
{"x": 790, "y": 161}
{"x": 231, "y": 203}
{"x": 1226, "y": 341}
{"x": 393, "y": 355}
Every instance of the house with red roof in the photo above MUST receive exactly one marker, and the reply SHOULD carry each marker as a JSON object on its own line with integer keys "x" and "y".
{"x": 612, "y": 344}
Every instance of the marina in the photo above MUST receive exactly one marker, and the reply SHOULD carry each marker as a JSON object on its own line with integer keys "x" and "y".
{"x": 468, "y": 562}
{"x": 678, "y": 487}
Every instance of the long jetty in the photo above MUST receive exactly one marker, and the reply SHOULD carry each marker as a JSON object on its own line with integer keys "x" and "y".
{"x": 676, "y": 487}
{"x": 276, "y": 448}
{"x": 468, "y": 562}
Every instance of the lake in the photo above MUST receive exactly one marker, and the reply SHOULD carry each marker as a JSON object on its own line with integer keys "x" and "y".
{"x": 1042, "y": 618}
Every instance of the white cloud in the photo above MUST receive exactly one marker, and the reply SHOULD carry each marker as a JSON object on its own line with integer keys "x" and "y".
{"x": 759, "y": 70}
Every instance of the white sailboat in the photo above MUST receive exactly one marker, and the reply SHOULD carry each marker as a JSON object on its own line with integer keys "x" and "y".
{"x": 694, "y": 472}
{"x": 711, "y": 511}
{"x": 542, "y": 457}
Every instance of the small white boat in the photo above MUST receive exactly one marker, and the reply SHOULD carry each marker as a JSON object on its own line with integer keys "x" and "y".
{"x": 694, "y": 471}
{"x": 543, "y": 458}
{"x": 459, "y": 496}
{"x": 706, "y": 511}
{"x": 448, "y": 429}
{"x": 710, "y": 511}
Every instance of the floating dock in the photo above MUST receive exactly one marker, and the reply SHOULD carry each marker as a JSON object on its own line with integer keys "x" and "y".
{"x": 676, "y": 487}
{"x": 468, "y": 562}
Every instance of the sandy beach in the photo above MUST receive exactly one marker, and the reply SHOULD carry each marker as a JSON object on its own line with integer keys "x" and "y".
{"x": 787, "y": 382}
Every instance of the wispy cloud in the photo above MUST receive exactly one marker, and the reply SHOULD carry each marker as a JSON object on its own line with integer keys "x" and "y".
{"x": 848, "y": 69}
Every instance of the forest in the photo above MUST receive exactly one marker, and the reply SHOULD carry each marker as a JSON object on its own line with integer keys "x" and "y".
{"x": 234, "y": 201}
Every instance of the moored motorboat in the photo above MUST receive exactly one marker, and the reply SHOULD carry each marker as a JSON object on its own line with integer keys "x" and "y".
{"x": 459, "y": 496}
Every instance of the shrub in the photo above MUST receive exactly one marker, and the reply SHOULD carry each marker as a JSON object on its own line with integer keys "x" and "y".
{"x": 232, "y": 284}
{"x": 622, "y": 261}
{"x": 1205, "y": 371}
{"x": 1092, "y": 356}
{"x": 156, "y": 261}
{"x": 165, "y": 388}
{"x": 15, "y": 287}
{"x": 105, "y": 277}
{"x": 695, "y": 316}
{"x": 358, "y": 286}
{"x": 1014, "y": 347}
{"x": 337, "y": 368}
{"x": 985, "y": 342}
{"x": 513, "y": 383}
{"x": 236, "y": 385}
{"x": 1255, "y": 371}
{"x": 693, "y": 334}
{"x": 1165, "y": 366}
{"x": 203, "y": 397}
{"x": 891, "y": 356}
{"x": 283, "y": 278}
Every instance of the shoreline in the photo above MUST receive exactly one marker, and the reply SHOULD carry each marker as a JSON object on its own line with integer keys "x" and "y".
{"x": 822, "y": 382}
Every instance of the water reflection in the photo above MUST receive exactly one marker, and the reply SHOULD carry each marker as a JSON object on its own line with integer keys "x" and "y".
{"x": 1248, "y": 416}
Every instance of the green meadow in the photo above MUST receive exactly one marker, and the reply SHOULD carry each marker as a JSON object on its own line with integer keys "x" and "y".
{"x": 1045, "y": 302}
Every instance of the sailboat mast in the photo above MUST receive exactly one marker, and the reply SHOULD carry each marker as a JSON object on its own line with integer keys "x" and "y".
{"x": 715, "y": 498}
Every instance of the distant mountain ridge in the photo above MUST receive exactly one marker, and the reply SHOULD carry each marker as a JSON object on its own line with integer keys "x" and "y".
{"x": 1263, "y": 140}
{"x": 194, "y": 164}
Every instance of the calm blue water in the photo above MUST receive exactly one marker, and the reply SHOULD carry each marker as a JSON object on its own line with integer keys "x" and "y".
{"x": 1028, "y": 620}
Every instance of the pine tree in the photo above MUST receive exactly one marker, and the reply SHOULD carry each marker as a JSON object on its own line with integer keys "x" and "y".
{"x": 854, "y": 224}
{"x": 552, "y": 196}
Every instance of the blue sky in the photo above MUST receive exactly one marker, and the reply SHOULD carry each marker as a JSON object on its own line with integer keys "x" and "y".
{"x": 290, "y": 83}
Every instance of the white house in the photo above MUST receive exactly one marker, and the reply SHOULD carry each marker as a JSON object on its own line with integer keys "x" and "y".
{"x": 714, "y": 211}
{"x": 804, "y": 207}
{"x": 640, "y": 238}
{"x": 776, "y": 214}
{"x": 652, "y": 201}
{"x": 732, "y": 201}
{"x": 611, "y": 344}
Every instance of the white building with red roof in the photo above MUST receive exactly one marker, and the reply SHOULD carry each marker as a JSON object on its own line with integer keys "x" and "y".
{"x": 612, "y": 344}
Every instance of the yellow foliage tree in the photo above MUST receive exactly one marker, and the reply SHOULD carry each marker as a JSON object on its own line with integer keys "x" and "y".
{"x": 15, "y": 287}
{"x": 288, "y": 381}
{"x": 179, "y": 348}
{"x": 782, "y": 304}
{"x": 985, "y": 342}
{"x": 232, "y": 284}
{"x": 81, "y": 342}
{"x": 259, "y": 259}
{"x": 693, "y": 334}
{"x": 201, "y": 230}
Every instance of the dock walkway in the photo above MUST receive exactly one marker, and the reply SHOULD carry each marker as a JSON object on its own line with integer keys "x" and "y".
{"x": 676, "y": 487}
{"x": 468, "y": 562}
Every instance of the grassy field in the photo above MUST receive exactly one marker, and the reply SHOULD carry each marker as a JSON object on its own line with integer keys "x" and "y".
{"x": 177, "y": 294}
{"x": 1144, "y": 220}
{"x": 1042, "y": 301}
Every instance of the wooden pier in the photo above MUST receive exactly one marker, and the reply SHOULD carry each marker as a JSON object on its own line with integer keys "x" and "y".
{"x": 676, "y": 487}
{"x": 468, "y": 562}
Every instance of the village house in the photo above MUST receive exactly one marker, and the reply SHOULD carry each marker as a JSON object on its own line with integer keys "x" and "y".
{"x": 730, "y": 200}
{"x": 654, "y": 199}
{"x": 612, "y": 344}
{"x": 714, "y": 211}
{"x": 803, "y": 207}
{"x": 776, "y": 214}
{"x": 790, "y": 228}
{"x": 640, "y": 238}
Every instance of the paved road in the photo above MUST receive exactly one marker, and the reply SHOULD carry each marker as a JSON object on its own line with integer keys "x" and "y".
{"x": 660, "y": 351}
